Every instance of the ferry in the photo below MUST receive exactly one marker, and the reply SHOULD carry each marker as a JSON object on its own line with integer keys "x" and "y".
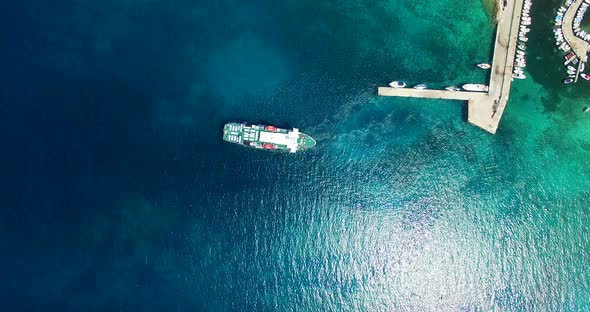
{"x": 397, "y": 84}
{"x": 475, "y": 87}
{"x": 421, "y": 86}
{"x": 452, "y": 88}
{"x": 267, "y": 137}
{"x": 484, "y": 66}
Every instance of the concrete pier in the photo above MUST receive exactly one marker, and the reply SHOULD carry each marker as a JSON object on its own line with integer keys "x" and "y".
{"x": 579, "y": 46}
{"x": 485, "y": 109}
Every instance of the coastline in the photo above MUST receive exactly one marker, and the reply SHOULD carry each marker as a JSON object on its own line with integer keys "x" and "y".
{"x": 493, "y": 9}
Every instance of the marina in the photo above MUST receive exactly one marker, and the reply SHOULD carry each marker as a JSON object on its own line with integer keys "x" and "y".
{"x": 569, "y": 38}
{"x": 485, "y": 108}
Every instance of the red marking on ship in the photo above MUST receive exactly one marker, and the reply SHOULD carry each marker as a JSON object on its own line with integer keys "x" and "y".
{"x": 270, "y": 128}
{"x": 268, "y": 146}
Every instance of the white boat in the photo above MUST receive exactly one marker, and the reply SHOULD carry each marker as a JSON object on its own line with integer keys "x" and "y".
{"x": 397, "y": 84}
{"x": 475, "y": 87}
{"x": 568, "y": 81}
{"x": 522, "y": 47}
{"x": 484, "y": 66}
{"x": 518, "y": 76}
{"x": 452, "y": 88}
{"x": 421, "y": 86}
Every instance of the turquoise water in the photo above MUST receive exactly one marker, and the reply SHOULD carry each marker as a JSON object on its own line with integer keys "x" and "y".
{"x": 122, "y": 195}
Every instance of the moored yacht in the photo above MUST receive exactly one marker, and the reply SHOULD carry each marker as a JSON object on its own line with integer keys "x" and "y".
{"x": 568, "y": 81}
{"x": 452, "y": 88}
{"x": 421, "y": 86}
{"x": 475, "y": 87}
{"x": 585, "y": 76}
{"x": 518, "y": 76}
{"x": 397, "y": 84}
{"x": 484, "y": 65}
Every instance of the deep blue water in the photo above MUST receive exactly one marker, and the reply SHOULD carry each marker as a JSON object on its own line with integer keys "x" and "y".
{"x": 119, "y": 194}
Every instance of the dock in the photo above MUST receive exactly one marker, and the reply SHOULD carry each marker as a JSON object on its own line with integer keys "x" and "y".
{"x": 485, "y": 109}
{"x": 579, "y": 46}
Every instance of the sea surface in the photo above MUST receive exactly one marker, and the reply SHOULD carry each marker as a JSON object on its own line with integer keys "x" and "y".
{"x": 118, "y": 193}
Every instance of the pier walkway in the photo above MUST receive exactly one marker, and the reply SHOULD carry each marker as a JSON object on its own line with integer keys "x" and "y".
{"x": 485, "y": 109}
{"x": 579, "y": 46}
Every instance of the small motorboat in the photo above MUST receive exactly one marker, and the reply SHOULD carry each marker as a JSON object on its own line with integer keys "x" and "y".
{"x": 452, "y": 88}
{"x": 585, "y": 76}
{"x": 484, "y": 66}
{"x": 570, "y": 67}
{"x": 397, "y": 84}
{"x": 522, "y": 47}
{"x": 518, "y": 76}
{"x": 586, "y": 109}
{"x": 568, "y": 81}
{"x": 421, "y": 86}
